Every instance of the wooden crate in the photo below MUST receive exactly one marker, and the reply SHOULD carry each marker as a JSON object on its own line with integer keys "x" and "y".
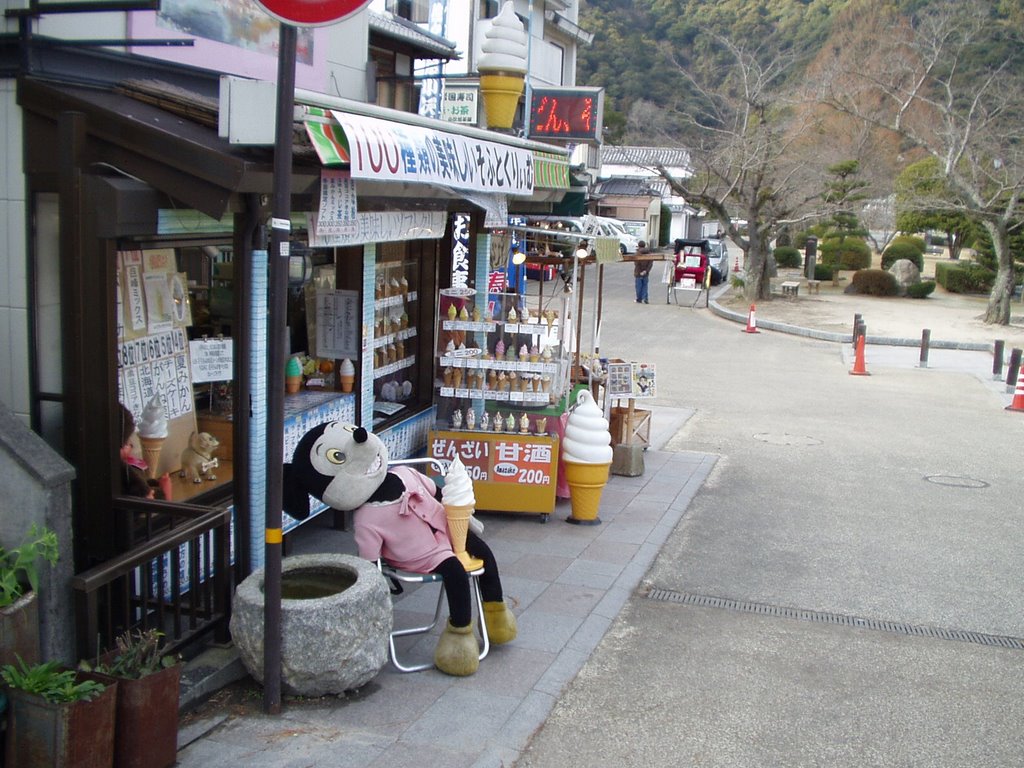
{"x": 630, "y": 429}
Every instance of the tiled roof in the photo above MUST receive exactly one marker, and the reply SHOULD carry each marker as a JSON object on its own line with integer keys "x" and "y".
{"x": 630, "y": 187}
{"x": 646, "y": 157}
{"x": 397, "y": 28}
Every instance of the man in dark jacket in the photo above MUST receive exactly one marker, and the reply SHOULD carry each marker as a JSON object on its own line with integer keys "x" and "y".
{"x": 642, "y": 271}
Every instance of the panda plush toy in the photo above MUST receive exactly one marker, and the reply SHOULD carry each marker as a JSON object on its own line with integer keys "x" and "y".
{"x": 398, "y": 517}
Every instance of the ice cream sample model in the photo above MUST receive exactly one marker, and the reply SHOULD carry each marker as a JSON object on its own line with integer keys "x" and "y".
{"x": 153, "y": 433}
{"x": 587, "y": 457}
{"x": 503, "y": 67}
{"x": 346, "y": 375}
{"x": 292, "y": 375}
{"x": 459, "y": 503}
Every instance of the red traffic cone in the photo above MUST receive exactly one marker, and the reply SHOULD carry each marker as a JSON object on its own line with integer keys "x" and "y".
{"x": 1017, "y": 404}
{"x": 751, "y": 322}
{"x": 858, "y": 362}
{"x": 736, "y": 264}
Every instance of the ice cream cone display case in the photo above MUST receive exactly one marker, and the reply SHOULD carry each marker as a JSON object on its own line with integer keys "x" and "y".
{"x": 395, "y": 364}
{"x": 502, "y": 373}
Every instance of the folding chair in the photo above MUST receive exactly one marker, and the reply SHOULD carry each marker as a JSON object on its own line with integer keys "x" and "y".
{"x": 397, "y": 577}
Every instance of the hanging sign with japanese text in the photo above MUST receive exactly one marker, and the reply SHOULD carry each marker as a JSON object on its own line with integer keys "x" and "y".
{"x": 389, "y": 151}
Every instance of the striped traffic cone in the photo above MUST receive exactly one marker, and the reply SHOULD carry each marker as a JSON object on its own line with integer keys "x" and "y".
{"x": 751, "y": 322}
{"x": 1017, "y": 404}
{"x": 858, "y": 361}
{"x": 736, "y": 263}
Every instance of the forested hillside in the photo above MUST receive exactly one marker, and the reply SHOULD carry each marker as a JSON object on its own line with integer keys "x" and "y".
{"x": 641, "y": 46}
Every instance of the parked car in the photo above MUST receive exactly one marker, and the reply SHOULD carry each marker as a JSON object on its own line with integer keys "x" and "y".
{"x": 718, "y": 256}
{"x": 628, "y": 242}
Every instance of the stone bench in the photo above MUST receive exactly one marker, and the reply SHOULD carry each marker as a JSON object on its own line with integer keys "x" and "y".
{"x": 790, "y": 288}
{"x": 812, "y": 286}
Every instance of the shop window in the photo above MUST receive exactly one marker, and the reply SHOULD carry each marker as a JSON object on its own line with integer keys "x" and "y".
{"x": 414, "y": 10}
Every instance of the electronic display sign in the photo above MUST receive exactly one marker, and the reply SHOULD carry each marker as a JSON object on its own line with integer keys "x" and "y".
{"x": 573, "y": 114}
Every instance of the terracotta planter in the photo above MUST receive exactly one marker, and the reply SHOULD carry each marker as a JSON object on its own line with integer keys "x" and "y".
{"x": 19, "y": 631}
{"x": 69, "y": 735}
{"x": 146, "y": 726}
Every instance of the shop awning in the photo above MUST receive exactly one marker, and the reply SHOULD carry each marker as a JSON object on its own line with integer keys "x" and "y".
{"x": 391, "y": 150}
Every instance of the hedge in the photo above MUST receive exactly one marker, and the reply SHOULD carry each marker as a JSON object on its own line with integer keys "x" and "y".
{"x": 903, "y": 250}
{"x": 788, "y": 256}
{"x": 964, "y": 277}
{"x": 874, "y": 282}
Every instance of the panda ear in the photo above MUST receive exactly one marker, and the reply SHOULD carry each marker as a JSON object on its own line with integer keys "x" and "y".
{"x": 294, "y": 498}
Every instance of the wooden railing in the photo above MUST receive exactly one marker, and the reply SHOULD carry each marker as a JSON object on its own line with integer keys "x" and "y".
{"x": 177, "y": 579}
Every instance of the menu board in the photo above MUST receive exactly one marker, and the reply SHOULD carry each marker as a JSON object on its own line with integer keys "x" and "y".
{"x": 153, "y": 348}
{"x": 510, "y": 472}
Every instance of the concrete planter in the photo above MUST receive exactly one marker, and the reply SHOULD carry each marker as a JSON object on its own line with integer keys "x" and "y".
{"x": 335, "y": 623}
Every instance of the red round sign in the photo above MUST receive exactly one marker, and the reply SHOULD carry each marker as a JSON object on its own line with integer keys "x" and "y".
{"x": 311, "y": 13}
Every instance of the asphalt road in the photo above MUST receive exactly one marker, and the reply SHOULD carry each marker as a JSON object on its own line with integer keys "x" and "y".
{"x": 845, "y": 590}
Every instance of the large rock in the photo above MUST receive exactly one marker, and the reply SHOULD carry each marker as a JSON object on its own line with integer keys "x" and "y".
{"x": 906, "y": 273}
{"x": 329, "y": 644}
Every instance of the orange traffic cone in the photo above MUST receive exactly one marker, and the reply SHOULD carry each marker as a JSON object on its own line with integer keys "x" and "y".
{"x": 858, "y": 362}
{"x": 736, "y": 264}
{"x": 751, "y": 322}
{"x": 1017, "y": 404}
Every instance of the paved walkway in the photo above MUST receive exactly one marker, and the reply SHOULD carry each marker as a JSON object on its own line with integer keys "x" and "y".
{"x": 566, "y": 584}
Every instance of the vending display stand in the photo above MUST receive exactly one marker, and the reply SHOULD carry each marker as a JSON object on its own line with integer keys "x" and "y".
{"x": 501, "y": 376}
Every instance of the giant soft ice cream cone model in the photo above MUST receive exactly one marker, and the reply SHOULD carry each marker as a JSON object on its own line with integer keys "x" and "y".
{"x": 587, "y": 458}
{"x": 152, "y": 434}
{"x": 459, "y": 503}
{"x": 502, "y": 67}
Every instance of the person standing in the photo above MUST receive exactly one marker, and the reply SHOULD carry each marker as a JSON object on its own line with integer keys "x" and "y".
{"x": 642, "y": 272}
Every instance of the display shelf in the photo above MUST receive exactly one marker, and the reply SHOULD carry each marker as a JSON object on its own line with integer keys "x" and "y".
{"x": 387, "y": 302}
{"x": 392, "y": 368}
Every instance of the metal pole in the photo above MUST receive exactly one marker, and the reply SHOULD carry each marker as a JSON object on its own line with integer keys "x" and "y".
{"x": 997, "y": 359}
{"x": 529, "y": 65}
{"x": 278, "y": 306}
{"x": 1013, "y": 370}
{"x": 926, "y": 336}
{"x": 856, "y": 325}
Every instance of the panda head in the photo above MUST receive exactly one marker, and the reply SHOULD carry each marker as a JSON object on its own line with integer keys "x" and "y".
{"x": 342, "y": 465}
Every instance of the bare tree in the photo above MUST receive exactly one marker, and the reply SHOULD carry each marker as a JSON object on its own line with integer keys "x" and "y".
{"x": 948, "y": 84}
{"x": 743, "y": 136}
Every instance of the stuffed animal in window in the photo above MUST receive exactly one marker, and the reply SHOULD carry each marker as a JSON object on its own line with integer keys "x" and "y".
{"x": 398, "y": 517}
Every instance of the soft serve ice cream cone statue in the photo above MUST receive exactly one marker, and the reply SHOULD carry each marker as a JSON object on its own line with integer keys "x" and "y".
{"x": 459, "y": 503}
{"x": 587, "y": 458}
{"x": 153, "y": 433}
{"x": 503, "y": 67}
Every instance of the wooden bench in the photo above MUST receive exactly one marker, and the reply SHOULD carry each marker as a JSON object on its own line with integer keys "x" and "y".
{"x": 812, "y": 286}
{"x": 791, "y": 288}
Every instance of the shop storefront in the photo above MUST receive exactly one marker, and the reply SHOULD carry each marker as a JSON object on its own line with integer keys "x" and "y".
{"x": 158, "y": 233}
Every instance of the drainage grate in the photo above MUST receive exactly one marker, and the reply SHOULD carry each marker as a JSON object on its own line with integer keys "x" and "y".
{"x": 824, "y": 617}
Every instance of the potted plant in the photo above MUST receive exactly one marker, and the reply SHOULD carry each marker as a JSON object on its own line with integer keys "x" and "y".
{"x": 19, "y": 581}
{"x": 148, "y": 682}
{"x": 58, "y": 719}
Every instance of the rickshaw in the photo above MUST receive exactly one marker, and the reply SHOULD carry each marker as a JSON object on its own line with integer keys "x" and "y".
{"x": 690, "y": 270}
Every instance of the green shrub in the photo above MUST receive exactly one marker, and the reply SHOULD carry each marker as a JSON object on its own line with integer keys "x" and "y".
{"x": 921, "y": 290}
{"x": 964, "y": 277}
{"x": 913, "y": 241}
{"x": 822, "y": 272}
{"x": 846, "y": 254}
{"x": 903, "y": 250}
{"x": 874, "y": 282}
{"x": 788, "y": 256}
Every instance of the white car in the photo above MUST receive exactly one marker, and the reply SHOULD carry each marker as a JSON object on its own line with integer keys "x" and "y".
{"x": 628, "y": 242}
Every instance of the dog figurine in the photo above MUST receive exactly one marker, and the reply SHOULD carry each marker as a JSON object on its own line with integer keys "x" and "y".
{"x": 197, "y": 460}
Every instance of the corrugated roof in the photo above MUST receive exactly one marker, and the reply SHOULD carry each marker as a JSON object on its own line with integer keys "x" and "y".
{"x": 397, "y": 28}
{"x": 646, "y": 157}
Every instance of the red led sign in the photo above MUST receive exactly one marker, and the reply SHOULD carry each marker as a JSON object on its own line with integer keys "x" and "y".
{"x": 566, "y": 113}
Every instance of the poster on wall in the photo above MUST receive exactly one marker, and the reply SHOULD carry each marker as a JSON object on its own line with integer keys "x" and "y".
{"x": 153, "y": 361}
